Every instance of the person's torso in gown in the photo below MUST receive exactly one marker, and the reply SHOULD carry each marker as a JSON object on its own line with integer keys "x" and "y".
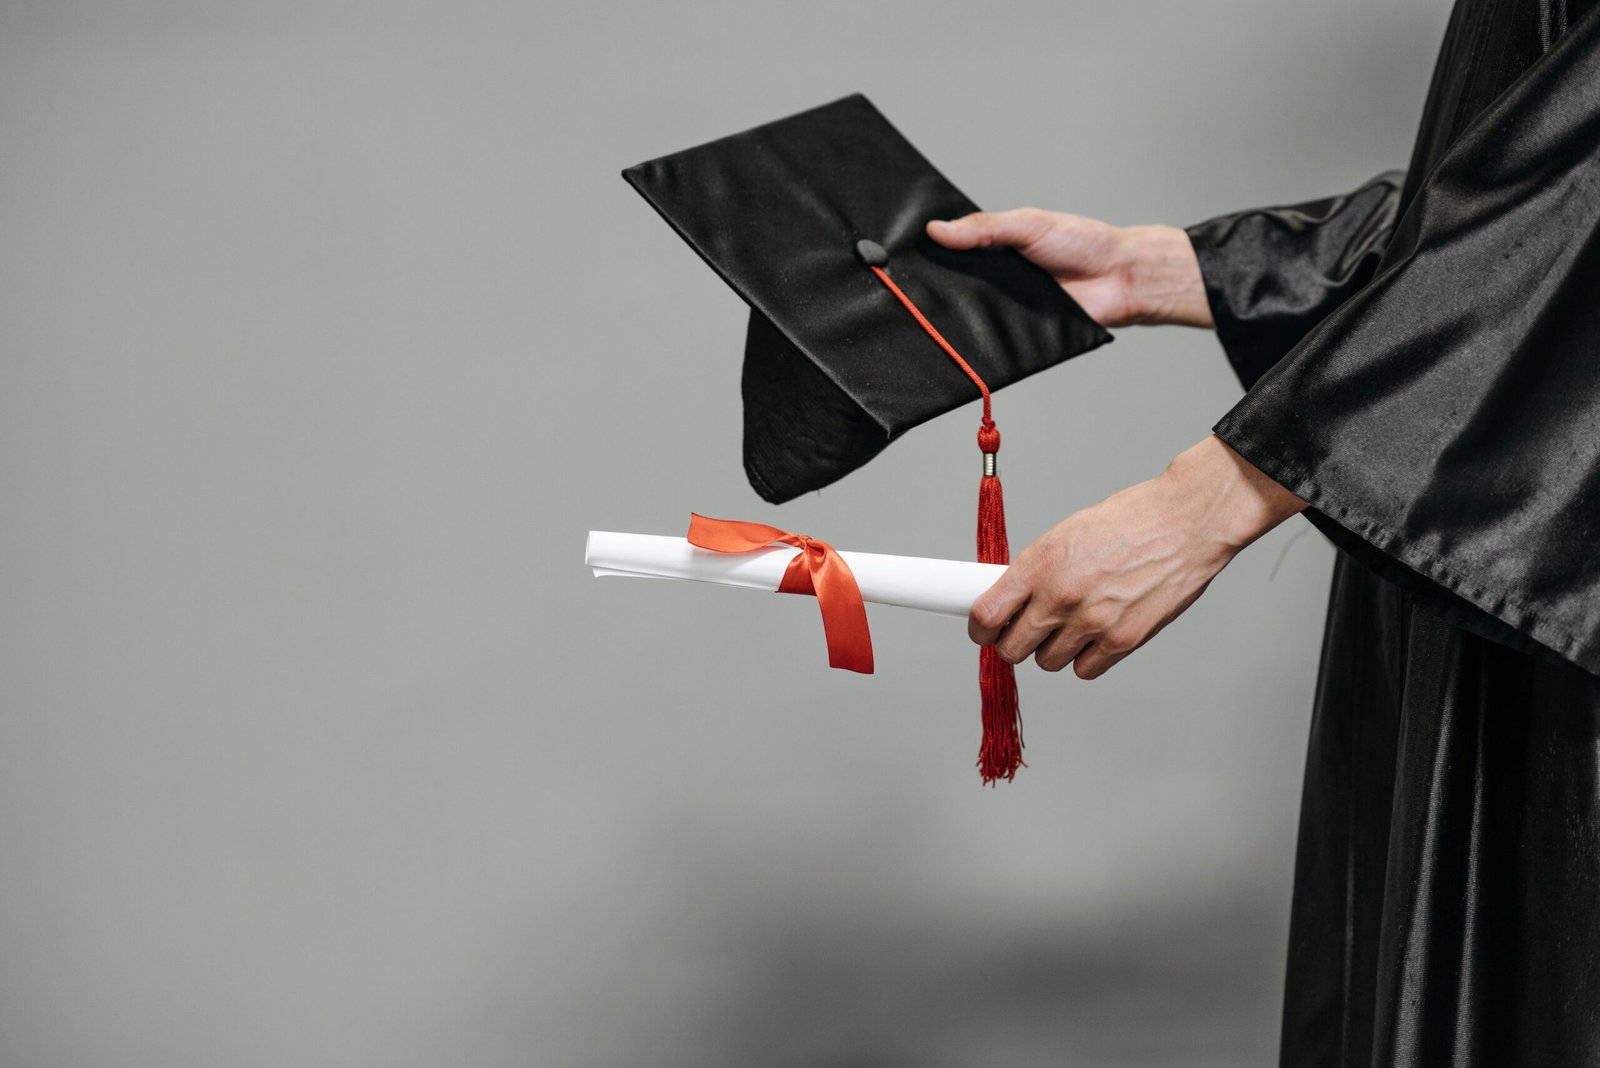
{"x": 1447, "y": 884}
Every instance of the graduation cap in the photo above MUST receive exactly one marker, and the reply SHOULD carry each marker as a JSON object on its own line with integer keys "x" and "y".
{"x": 861, "y": 326}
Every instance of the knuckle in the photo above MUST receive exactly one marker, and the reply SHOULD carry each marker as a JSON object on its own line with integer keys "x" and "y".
{"x": 1033, "y": 222}
{"x": 1116, "y": 643}
{"x": 1085, "y": 669}
{"x": 1121, "y": 640}
{"x": 1057, "y": 587}
{"x": 980, "y": 226}
{"x": 987, "y": 613}
{"x": 1096, "y": 620}
{"x": 1068, "y": 595}
{"x": 1048, "y": 553}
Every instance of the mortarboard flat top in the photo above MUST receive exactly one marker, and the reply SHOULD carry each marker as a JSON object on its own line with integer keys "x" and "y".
{"x": 835, "y": 368}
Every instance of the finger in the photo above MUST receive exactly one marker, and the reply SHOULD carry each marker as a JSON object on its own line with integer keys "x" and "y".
{"x": 1023, "y": 635}
{"x": 1059, "y": 649}
{"x": 986, "y": 229}
{"x": 1096, "y": 659}
{"x": 996, "y": 607}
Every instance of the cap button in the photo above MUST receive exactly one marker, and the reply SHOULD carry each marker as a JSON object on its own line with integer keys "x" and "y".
{"x": 871, "y": 253}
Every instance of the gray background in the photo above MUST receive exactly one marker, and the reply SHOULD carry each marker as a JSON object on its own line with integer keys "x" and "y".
{"x": 328, "y": 329}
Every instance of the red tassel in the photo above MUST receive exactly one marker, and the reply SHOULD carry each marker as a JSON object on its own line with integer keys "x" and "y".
{"x": 1000, "y": 755}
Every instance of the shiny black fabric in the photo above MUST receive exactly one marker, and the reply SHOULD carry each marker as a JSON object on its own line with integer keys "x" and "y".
{"x": 1322, "y": 252}
{"x": 1440, "y": 410}
{"x": 835, "y": 368}
{"x": 1447, "y": 883}
{"x": 1444, "y": 421}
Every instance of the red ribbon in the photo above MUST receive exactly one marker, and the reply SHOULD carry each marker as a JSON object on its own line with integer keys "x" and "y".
{"x": 817, "y": 570}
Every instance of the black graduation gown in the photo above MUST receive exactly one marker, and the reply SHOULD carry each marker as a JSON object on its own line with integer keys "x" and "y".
{"x": 1422, "y": 360}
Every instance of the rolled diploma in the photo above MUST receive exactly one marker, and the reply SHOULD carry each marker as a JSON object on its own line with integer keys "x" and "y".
{"x": 947, "y": 587}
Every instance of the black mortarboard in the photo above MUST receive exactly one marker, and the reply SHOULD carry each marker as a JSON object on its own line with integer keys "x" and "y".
{"x": 835, "y": 368}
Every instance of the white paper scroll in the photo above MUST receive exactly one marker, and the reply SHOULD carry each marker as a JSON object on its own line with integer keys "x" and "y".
{"x": 947, "y": 587}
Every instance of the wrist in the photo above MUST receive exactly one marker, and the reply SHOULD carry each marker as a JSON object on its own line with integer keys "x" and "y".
{"x": 1235, "y": 503}
{"x": 1164, "y": 281}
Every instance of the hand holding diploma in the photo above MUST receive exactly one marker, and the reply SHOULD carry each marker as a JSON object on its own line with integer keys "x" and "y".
{"x": 1106, "y": 579}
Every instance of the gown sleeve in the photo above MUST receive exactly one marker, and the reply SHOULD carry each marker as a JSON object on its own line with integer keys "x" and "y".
{"x": 1271, "y": 274}
{"x": 1443, "y": 423}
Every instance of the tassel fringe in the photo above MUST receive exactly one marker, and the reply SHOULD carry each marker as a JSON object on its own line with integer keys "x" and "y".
{"x": 1000, "y": 754}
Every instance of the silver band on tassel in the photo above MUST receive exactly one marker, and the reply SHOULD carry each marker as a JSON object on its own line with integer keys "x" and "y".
{"x": 989, "y": 466}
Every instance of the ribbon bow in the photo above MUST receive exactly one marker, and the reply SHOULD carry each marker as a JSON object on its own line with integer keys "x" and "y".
{"x": 817, "y": 570}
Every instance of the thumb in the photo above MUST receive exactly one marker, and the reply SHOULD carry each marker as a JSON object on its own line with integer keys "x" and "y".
{"x": 1017, "y": 228}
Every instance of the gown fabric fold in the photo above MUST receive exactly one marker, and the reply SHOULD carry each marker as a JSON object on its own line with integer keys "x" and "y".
{"x": 1422, "y": 365}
